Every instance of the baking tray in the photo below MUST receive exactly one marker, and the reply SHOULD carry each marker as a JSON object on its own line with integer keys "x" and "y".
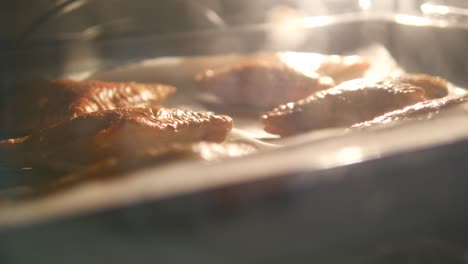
{"x": 363, "y": 197}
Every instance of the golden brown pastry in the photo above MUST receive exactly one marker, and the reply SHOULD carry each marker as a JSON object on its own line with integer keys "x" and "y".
{"x": 422, "y": 110}
{"x": 435, "y": 87}
{"x": 55, "y": 101}
{"x": 346, "y": 104}
{"x": 271, "y": 79}
{"x": 120, "y": 132}
{"x": 260, "y": 84}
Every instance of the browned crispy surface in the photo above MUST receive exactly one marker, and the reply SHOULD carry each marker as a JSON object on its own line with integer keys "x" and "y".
{"x": 259, "y": 85}
{"x": 52, "y": 102}
{"x": 267, "y": 82}
{"x": 122, "y": 132}
{"x": 422, "y": 110}
{"x": 435, "y": 87}
{"x": 346, "y": 104}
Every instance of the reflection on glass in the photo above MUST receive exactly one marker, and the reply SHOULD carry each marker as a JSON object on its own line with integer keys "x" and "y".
{"x": 286, "y": 27}
{"x": 349, "y": 155}
{"x": 443, "y": 10}
{"x": 365, "y": 4}
{"x": 71, "y": 6}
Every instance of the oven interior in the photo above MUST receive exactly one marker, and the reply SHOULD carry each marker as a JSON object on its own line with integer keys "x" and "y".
{"x": 389, "y": 208}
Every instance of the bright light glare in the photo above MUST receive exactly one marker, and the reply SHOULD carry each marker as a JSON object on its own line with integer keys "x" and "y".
{"x": 317, "y": 21}
{"x": 349, "y": 155}
{"x": 305, "y": 63}
{"x": 365, "y": 4}
{"x": 412, "y": 20}
{"x": 72, "y": 6}
{"x": 443, "y": 10}
{"x": 286, "y": 27}
{"x": 214, "y": 18}
{"x": 428, "y": 8}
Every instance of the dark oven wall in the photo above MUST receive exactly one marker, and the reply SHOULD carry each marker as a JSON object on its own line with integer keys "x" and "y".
{"x": 438, "y": 51}
{"x": 47, "y": 20}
